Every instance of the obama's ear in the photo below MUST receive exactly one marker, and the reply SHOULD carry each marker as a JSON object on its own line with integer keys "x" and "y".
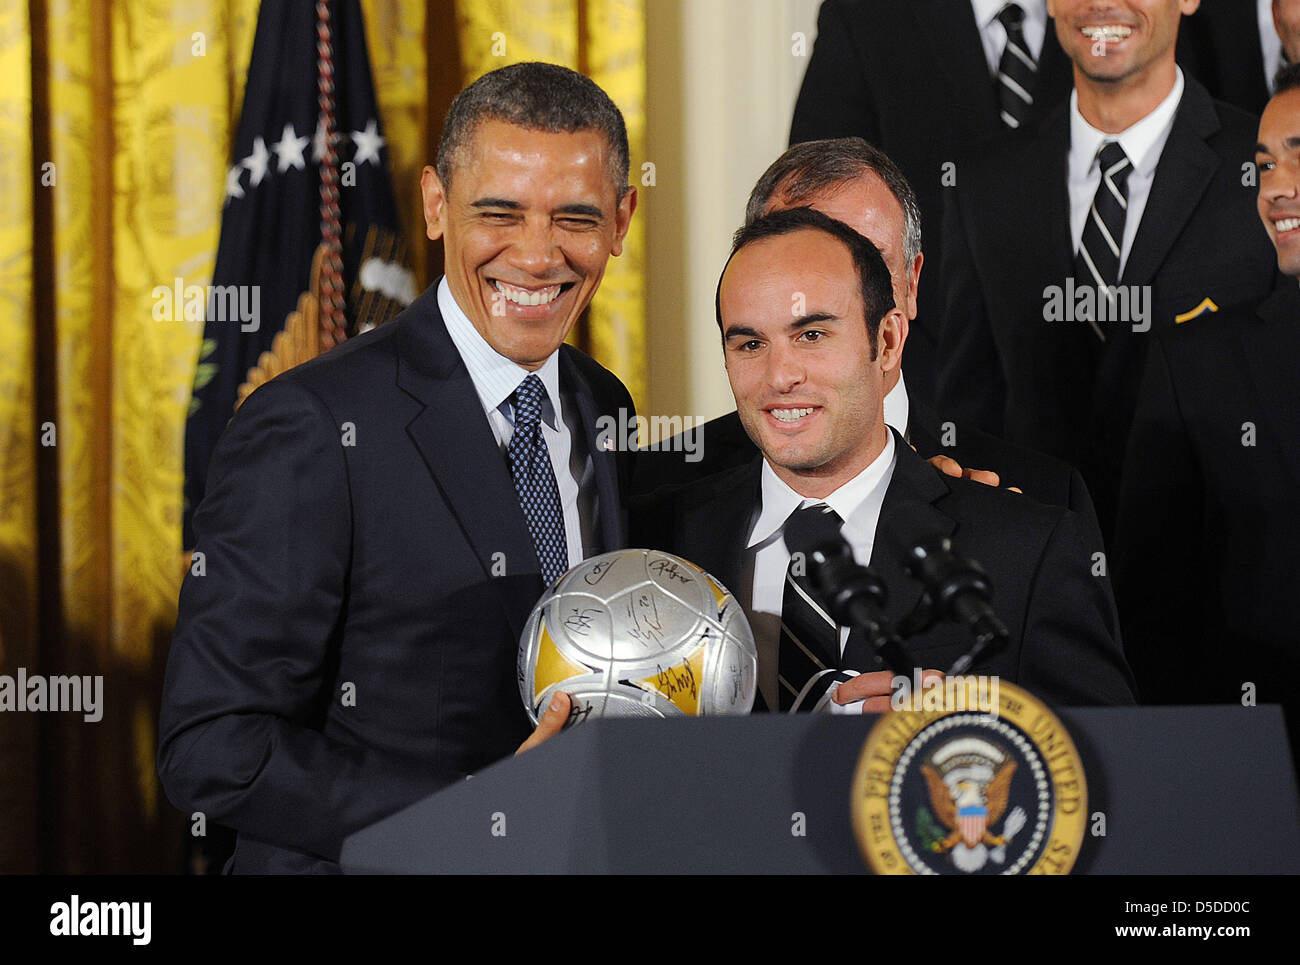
{"x": 434, "y": 196}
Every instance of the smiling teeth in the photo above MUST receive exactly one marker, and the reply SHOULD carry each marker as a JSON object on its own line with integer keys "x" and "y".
{"x": 790, "y": 415}
{"x": 522, "y": 296}
{"x": 1111, "y": 33}
{"x": 1287, "y": 224}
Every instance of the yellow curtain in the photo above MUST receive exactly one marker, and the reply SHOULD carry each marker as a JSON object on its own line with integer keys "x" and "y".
{"x": 604, "y": 39}
{"x": 141, "y": 99}
{"x": 18, "y": 432}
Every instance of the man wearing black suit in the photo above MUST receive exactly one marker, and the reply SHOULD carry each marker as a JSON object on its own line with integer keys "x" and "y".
{"x": 1207, "y": 559}
{"x": 1234, "y": 48}
{"x": 1065, "y": 249}
{"x": 920, "y": 80}
{"x": 851, "y": 181}
{"x": 379, "y": 521}
{"x": 809, "y": 332}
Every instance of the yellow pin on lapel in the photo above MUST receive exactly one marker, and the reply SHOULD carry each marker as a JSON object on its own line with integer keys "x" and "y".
{"x": 1207, "y": 305}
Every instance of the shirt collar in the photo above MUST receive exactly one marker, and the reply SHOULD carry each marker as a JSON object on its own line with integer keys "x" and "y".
{"x": 495, "y": 377}
{"x": 897, "y": 409}
{"x": 779, "y": 500}
{"x": 1142, "y": 142}
{"x": 986, "y": 11}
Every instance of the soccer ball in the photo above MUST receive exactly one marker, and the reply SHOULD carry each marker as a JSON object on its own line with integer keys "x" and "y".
{"x": 638, "y": 633}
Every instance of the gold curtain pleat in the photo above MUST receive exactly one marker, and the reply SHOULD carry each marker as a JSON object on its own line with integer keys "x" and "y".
{"x": 604, "y": 39}
{"x": 18, "y": 435}
{"x": 142, "y": 100}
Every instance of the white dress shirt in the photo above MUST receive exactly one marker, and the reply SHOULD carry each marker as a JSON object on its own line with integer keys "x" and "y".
{"x": 1270, "y": 44}
{"x": 495, "y": 378}
{"x": 994, "y": 36}
{"x": 1143, "y": 142}
{"x": 766, "y": 557}
{"x": 897, "y": 408}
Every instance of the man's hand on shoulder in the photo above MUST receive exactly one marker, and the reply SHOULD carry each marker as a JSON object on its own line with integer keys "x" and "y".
{"x": 552, "y": 722}
{"x": 950, "y": 467}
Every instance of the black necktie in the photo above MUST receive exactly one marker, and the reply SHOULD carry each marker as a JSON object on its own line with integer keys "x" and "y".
{"x": 1103, "y": 231}
{"x": 810, "y": 639}
{"x": 534, "y": 476}
{"x": 1016, "y": 69}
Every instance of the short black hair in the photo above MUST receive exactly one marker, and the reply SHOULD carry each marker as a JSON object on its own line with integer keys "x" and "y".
{"x": 540, "y": 97}
{"x": 811, "y": 167}
{"x": 1288, "y": 78}
{"x": 873, "y": 276}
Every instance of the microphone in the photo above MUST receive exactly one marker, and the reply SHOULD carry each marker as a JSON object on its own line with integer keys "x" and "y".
{"x": 855, "y": 596}
{"x": 958, "y": 590}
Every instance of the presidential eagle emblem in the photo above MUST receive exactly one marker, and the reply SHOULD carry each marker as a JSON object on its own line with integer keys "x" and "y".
{"x": 969, "y": 780}
{"x": 949, "y": 791}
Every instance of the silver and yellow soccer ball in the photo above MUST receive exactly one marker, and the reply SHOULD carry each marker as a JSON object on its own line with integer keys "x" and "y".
{"x": 638, "y": 633}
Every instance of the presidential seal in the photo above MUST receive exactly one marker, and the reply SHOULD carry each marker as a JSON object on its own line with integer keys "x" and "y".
{"x": 951, "y": 791}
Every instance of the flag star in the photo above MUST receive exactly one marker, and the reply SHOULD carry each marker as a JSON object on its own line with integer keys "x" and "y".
{"x": 257, "y": 161}
{"x": 289, "y": 149}
{"x": 368, "y": 143}
{"x": 233, "y": 188}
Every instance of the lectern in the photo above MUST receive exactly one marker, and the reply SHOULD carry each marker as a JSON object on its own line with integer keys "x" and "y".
{"x": 1177, "y": 790}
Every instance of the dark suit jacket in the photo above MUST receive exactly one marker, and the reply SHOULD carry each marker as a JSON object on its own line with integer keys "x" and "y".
{"x": 1207, "y": 557}
{"x": 1064, "y": 632}
{"x": 1220, "y": 46}
{"x": 352, "y": 645}
{"x": 910, "y": 77}
{"x": 722, "y": 443}
{"x": 1053, "y": 386}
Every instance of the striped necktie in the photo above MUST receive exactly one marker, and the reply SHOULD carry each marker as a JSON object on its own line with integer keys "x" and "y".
{"x": 1103, "y": 233}
{"x": 810, "y": 639}
{"x": 534, "y": 477}
{"x": 1016, "y": 69}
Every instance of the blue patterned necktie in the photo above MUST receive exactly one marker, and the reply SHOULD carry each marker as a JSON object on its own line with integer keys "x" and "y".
{"x": 534, "y": 476}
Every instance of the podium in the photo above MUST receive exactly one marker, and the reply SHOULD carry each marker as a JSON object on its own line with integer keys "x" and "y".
{"x": 1179, "y": 790}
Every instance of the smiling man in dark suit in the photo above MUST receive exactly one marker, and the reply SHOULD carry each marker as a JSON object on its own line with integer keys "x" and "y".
{"x": 1066, "y": 249}
{"x": 379, "y": 521}
{"x": 810, "y": 332}
{"x": 1207, "y": 559}
{"x": 920, "y": 80}
{"x": 856, "y": 183}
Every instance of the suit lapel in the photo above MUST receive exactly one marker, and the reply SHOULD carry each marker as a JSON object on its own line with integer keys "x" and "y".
{"x": 613, "y": 523}
{"x": 454, "y": 438}
{"x": 714, "y": 521}
{"x": 908, "y": 517}
{"x": 1269, "y": 349}
{"x": 1184, "y": 172}
{"x": 1187, "y": 166}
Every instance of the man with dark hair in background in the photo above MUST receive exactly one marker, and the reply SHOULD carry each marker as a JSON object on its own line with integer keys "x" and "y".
{"x": 379, "y": 522}
{"x": 856, "y": 183}
{"x": 1207, "y": 556}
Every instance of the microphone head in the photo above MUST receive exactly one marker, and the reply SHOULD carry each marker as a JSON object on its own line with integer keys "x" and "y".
{"x": 815, "y": 529}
